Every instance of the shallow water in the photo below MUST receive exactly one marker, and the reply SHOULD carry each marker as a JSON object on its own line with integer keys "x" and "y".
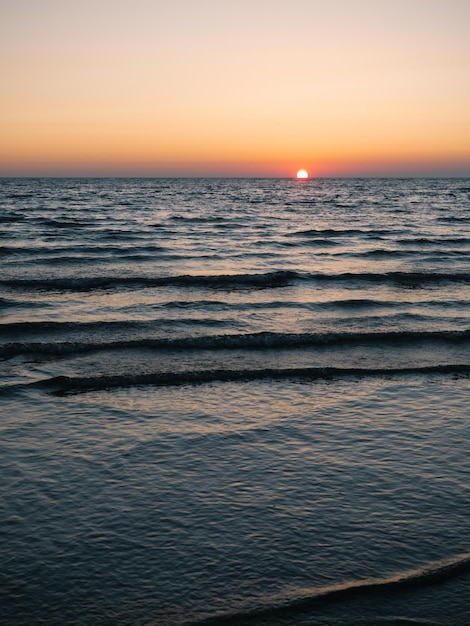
{"x": 226, "y": 398}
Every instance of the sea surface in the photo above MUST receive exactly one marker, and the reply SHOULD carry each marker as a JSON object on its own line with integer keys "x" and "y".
{"x": 234, "y": 401}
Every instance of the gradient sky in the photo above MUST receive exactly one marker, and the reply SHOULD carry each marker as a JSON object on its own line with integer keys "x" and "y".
{"x": 252, "y": 87}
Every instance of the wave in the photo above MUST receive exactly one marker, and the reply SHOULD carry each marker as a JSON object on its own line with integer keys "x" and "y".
{"x": 365, "y": 303}
{"x": 357, "y": 303}
{"x": 63, "y": 385}
{"x": 340, "y": 232}
{"x": 82, "y": 249}
{"x": 20, "y": 195}
{"x": 433, "y": 241}
{"x": 250, "y": 341}
{"x": 279, "y": 606}
{"x": 272, "y": 279}
{"x": 43, "y": 327}
{"x": 11, "y": 219}
{"x": 6, "y": 303}
{"x": 400, "y": 278}
{"x": 383, "y": 253}
{"x": 310, "y": 243}
{"x": 347, "y": 303}
{"x": 453, "y": 219}
{"x": 201, "y": 219}
{"x": 67, "y": 223}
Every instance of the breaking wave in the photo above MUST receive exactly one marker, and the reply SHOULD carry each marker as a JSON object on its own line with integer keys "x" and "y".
{"x": 433, "y": 573}
{"x": 61, "y": 385}
{"x": 249, "y": 341}
{"x": 233, "y": 281}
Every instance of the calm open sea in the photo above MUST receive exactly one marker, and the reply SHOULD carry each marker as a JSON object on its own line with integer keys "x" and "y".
{"x": 239, "y": 401}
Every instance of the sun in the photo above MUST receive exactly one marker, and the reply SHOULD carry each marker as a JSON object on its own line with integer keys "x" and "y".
{"x": 302, "y": 174}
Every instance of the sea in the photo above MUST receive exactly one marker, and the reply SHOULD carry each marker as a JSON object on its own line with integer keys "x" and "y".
{"x": 234, "y": 401}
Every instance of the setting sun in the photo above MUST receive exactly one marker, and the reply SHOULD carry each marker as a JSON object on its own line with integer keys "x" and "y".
{"x": 302, "y": 174}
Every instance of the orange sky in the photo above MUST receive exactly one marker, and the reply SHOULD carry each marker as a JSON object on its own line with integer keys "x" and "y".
{"x": 256, "y": 87}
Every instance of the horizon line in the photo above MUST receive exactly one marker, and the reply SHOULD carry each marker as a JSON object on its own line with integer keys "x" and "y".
{"x": 199, "y": 176}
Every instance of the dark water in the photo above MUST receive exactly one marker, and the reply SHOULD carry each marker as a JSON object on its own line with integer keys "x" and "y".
{"x": 234, "y": 401}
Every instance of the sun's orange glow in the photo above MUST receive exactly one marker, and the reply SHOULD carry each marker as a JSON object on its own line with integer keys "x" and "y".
{"x": 85, "y": 106}
{"x": 302, "y": 174}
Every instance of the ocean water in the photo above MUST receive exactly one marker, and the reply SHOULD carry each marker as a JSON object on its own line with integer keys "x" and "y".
{"x": 234, "y": 401}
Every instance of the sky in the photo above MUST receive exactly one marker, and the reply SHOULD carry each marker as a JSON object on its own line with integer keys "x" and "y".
{"x": 245, "y": 88}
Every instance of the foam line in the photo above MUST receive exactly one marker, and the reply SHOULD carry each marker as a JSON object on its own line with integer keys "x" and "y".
{"x": 432, "y": 573}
